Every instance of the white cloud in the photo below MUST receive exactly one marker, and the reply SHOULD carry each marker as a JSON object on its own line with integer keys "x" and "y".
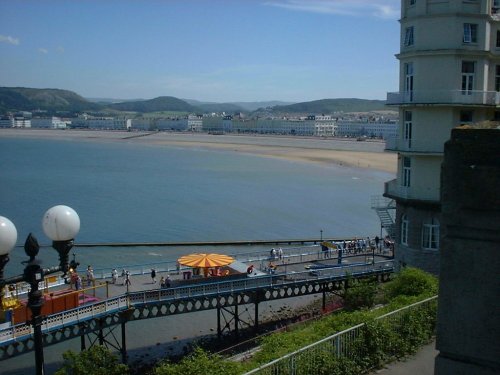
{"x": 9, "y": 39}
{"x": 43, "y": 50}
{"x": 387, "y": 9}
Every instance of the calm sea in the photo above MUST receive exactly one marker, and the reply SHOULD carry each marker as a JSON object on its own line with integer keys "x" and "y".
{"x": 127, "y": 192}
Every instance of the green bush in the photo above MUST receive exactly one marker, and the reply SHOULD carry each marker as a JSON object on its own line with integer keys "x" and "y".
{"x": 198, "y": 363}
{"x": 97, "y": 360}
{"x": 360, "y": 294}
{"x": 412, "y": 282}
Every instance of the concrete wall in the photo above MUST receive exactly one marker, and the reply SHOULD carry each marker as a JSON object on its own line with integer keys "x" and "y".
{"x": 468, "y": 331}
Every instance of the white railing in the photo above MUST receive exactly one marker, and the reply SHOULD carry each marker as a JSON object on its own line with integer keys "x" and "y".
{"x": 248, "y": 284}
{"x": 69, "y": 317}
{"x": 457, "y": 97}
{"x": 342, "y": 344}
{"x": 394, "y": 189}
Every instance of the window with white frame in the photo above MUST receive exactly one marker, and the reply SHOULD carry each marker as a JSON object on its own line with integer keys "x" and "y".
{"x": 430, "y": 235}
{"x": 409, "y": 37}
{"x": 468, "y": 72}
{"x": 404, "y": 229}
{"x": 406, "y": 171}
{"x": 408, "y": 67}
{"x": 408, "y": 128}
{"x": 470, "y": 33}
{"x": 495, "y": 6}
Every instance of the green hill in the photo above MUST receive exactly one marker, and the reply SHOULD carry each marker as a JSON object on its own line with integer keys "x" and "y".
{"x": 28, "y": 99}
{"x": 329, "y": 106}
{"x": 160, "y": 104}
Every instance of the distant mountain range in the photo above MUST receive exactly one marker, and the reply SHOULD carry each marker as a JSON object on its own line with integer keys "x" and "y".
{"x": 55, "y": 100}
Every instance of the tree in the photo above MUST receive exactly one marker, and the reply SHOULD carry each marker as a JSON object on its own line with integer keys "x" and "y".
{"x": 97, "y": 360}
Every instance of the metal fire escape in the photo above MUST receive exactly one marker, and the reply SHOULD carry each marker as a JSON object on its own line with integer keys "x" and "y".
{"x": 386, "y": 211}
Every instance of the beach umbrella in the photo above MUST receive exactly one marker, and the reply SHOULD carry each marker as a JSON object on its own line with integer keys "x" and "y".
{"x": 203, "y": 260}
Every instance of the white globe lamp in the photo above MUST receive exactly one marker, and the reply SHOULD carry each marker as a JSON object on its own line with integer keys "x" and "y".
{"x": 8, "y": 235}
{"x": 61, "y": 223}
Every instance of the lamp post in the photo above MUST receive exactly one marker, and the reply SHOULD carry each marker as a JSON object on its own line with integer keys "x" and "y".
{"x": 61, "y": 224}
{"x": 321, "y": 234}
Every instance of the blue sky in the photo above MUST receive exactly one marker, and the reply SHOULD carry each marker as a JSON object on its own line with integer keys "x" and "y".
{"x": 208, "y": 50}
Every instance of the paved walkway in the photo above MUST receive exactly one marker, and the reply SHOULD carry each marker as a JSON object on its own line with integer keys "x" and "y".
{"x": 422, "y": 363}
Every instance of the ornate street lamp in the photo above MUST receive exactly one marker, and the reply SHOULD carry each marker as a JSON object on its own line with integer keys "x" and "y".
{"x": 61, "y": 224}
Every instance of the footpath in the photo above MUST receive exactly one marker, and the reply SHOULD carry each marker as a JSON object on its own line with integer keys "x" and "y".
{"x": 421, "y": 363}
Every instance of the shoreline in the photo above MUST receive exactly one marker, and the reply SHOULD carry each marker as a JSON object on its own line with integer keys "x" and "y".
{"x": 325, "y": 151}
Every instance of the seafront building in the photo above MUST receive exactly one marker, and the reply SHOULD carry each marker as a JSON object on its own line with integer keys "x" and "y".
{"x": 101, "y": 123}
{"x": 348, "y": 125}
{"x": 312, "y": 125}
{"x": 372, "y": 129}
{"x": 49, "y": 123}
{"x": 449, "y": 75}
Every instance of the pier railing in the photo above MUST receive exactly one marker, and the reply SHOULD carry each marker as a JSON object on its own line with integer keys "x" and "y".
{"x": 291, "y": 255}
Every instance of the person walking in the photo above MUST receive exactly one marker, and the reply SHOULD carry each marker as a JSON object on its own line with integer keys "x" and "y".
{"x": 114, "y": 276}
{"x": 153, "y": 275}
{"x": 90, "y": 275}
{"x": 127, "y": 279}
{"x": 167, "y": 281}
{"x": 78, "y": 282}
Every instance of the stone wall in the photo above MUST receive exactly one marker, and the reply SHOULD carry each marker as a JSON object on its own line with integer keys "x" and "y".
{"x": 468, "y": 331}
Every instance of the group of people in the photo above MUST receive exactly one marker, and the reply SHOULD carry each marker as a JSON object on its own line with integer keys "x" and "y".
{"x": 276, "y": 253}
{"x": 125, "y": 276}
{"x": 76, "y": 280}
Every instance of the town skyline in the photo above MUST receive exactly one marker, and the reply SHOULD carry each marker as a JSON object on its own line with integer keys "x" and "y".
{"x": 217, "y": 51}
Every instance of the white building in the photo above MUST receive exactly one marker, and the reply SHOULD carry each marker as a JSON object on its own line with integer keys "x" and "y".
{"x": 449, "y": 75}
{"x": 49, "y": 123}
{"x": 309, "y": 126}
{"x": 21, "y": 122}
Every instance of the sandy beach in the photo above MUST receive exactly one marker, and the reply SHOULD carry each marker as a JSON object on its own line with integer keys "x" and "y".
{"x": 327, "y": 151}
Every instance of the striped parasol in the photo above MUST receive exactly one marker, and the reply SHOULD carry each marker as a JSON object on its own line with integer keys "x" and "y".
{"x": 203, "y": 260}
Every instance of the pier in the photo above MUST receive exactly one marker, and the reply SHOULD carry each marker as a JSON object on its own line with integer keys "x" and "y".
{"x": 303, "y": 270}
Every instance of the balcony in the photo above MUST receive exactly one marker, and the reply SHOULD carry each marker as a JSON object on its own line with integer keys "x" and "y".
{"x": 449, "y": 97}
{"x": 429, "y": 146}
{"x": 393, "y": 189}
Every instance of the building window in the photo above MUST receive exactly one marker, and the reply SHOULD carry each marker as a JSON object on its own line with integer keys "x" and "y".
{"x": 413, "y": 2}
{"x": 497, "y": 78}
{"x": 498, "y": 39}
{"x": 468, "y": 69}
{"x": 409, "y": 81}
{"x": 465, "y": 116}
{"x": 406, "y": 171}
{"x": 470, "y": 33}
{"x": 404, "y": 229}
{"x": 409, "y": 39}
{"x": 495, "y": 6}
{"x": 430, "y": 235}
{"x": 408, "y": 128}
